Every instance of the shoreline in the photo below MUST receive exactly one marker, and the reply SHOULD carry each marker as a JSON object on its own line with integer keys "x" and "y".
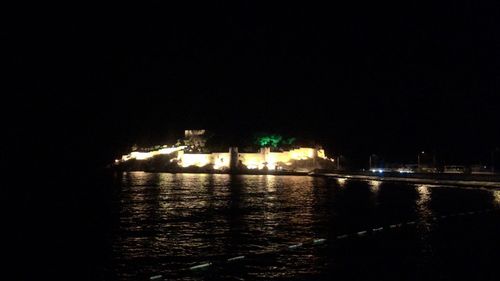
{"x": 434, "y": 179}
{"x": 261, "y": 173}
{"x": 487, "y": 181}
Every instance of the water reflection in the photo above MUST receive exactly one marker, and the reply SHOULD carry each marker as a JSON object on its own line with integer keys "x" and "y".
{"x": 496, "y": 196}
{"x": 341, "y": 181}
{"x": 423, "y": 203}
{"x": 175, "y": 220}
{"x": 185, "y": 215}
{"x": 425, "y": 225}
{"x": 374, "y": 186}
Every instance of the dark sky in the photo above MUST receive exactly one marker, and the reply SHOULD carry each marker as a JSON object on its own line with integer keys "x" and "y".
{"x": 388, "y": 78}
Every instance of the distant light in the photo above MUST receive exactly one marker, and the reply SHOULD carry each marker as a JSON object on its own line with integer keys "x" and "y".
{"x": 404, "y": 171}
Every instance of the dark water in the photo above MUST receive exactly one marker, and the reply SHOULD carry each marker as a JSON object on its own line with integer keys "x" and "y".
{"x": 166, "y": 223}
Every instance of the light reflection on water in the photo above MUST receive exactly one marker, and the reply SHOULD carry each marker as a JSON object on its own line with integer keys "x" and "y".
{"x": 171, "y": 221}
{"x": 374, "y": 185}
{"x": 496, "y": 195}
{"x": 341, "y": 181}
{"x": 423, "y": 201}
{"x": 426, "y": 223}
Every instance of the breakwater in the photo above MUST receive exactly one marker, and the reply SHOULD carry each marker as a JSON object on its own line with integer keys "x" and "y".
{"x": 487, "y": 181}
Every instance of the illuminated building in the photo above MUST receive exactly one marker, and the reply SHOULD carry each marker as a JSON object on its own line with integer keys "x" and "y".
{"x": 191, "y": 152}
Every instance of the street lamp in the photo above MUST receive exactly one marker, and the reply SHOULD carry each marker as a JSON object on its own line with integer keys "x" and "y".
{"x": 338, "y": 161}
{"x": 371, "y": 161}
{"x": 418, "y": 160}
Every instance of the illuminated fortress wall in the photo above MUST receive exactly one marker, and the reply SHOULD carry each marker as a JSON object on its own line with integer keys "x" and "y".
{"x": 194, "y": 159}
{"x": 259, "y": 160}
{"x": 252, "y": 160}
{"x": 220, "y": 161}
{"x": 146, "y": 155}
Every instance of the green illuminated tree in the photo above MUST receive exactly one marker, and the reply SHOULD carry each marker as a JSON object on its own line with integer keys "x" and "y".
{"x": 273, "y": 141}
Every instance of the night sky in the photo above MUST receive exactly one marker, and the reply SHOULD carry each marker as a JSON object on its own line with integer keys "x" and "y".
{"x": 386, "y": 78}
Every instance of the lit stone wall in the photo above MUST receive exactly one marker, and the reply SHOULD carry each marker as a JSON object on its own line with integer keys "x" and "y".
{"x": 321, "y": 154}
{"x": 138, "y": 155}
{"x": 274, "y": 159}
{"x": 191, "y": 133}
{"x": 302, "y": 153}
{"x": 195, "y": 159}
{"x": 252, "y": 160}
{"x": 258, "y": 160}
{"x": 141, "y": 155}
{"x": 221, "y": 161}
